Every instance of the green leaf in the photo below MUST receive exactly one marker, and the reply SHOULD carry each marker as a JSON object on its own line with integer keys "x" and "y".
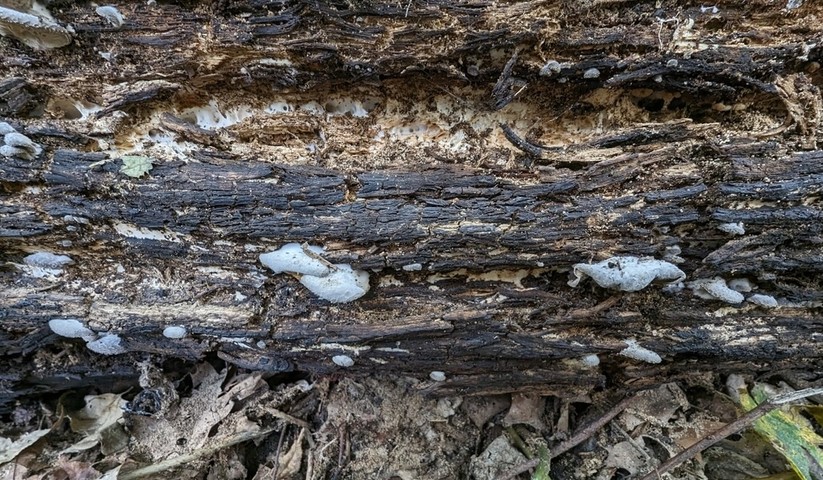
{"x": 135, "y": 165}
{"x": 789, "y": 433}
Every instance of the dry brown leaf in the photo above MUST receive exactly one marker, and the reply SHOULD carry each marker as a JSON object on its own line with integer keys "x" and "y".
{"x": 526, "y": 410}
{"x": 100, "y": 414}
{"x": 290, "y": 462}
{"x": 10, "y": 449}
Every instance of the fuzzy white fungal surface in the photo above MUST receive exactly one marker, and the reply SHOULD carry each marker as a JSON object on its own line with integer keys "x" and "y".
{"x": 344, "y": 284}
{"x": 71, "y": 328}
{"x": 629, "y": 274}
{"x": 336, "y": 283}
{"x": 715, "y": 289}
{"x": 635, "y": 351}
{"x": 344, "y": 361}
{"x": 174, "y": 332}
{"x": 111, "y": 14}
{"x": 437, "y": 376}
{"x": 591, "y": 360}
{"x": 763, "y": 300}
{"x": 107, "y": 345}
{"x": 732, "y": 228}
{"x": 292, "y": 258}
{"x": 741, "y": 285}
{"x": 47, "y": 260}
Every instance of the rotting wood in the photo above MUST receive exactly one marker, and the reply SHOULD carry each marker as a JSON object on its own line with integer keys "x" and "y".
{"x": 668, "y": 142}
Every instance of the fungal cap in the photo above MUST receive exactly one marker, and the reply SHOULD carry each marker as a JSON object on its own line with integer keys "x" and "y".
{"x": 344, "y": 361}
{"x": 174, "y": 332}
{"x": 292, "y": 258}
{"x": 629, "y": 274}
{"x": 715, "y": 289}
{"x": 71, "y": 328}
{"x": 47, "y": 260}
{"x": 732, "y": 228}
{"x": 36, "y": 32}
{"x": 591, "y": 73}
{"x": 16, "y": 139}
{"x": 741, "y": 285}
{"x": 437, "y": 376}
{"x": 14, "y": 152}
{"x": 6, "y": 128}
{"x": 763, "y": 300}
{"x": 591, "y": 360}
{"x": 343, "y": 284}
{"x": 635, "y": 351}
{"x": 107, "y": 345}
{"x": 110, "y": 13}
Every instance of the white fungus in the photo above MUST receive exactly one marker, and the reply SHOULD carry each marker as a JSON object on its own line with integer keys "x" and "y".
{"x": 715, "y": 289}
{"x": 19, "y": 140}
{"x": 672, "y": 63}
{"x": 335, "y": 283}
{"x": 629, "y": 274}
{"x": 741, "y": 285}
{"x": 292, "y": 257}
{"x": 763, "y": 300}
{"x": 111, "y": 14}
{"x": 732, "y": 228}
{"x": 13, "y": 152}
{"x": 591, "y": 73}
{"x": 174, "y": 332}
{"x": 47, "y": 260}
{"x": 344, "y": 361}
{"x": 341, "y": 285}
{"x": 550, "y": 68}
{"x": 437, "y": 376}
{"x": 635, "y": 351}
{"x": 6, "y": 128}
{"x": 413, "y": 267}
{"x": 591, "y": 360}
{"x": 107, "y": 345}
{"x": 71, "y": 328}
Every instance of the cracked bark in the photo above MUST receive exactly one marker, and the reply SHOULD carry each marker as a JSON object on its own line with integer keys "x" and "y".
{"x": 495, "y": 231}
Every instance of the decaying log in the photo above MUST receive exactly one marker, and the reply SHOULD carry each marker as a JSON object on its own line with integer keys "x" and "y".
{"x": 426, "y": 144}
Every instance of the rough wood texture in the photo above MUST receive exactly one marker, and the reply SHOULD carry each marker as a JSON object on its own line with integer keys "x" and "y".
{"x": 435, "y": 140}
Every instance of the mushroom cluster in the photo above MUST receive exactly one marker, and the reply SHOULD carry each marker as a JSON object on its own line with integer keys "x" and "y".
{"x": 17, "y": 145}
{"x": 32, "y": 24}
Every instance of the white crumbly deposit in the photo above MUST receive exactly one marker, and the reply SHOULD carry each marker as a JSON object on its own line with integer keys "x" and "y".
{"x": 344, "y": 361}
{"x": 591, "y": 360}
{"x": 344, "y": 284}
{"x": 635, "y": 351}
{"x": 107, "y": 345}
{"x": 629, "y": 274}
{"x": 47, "y": 260}
{"x": 763, "y": 300}
{"x": 732, "y": 228}
{"x": 715, "y": 289}
{"x": 337, "y": 283}
{"x": 438, "y": 376}
{"x": 71, "y": 328}
{"x": 111, "y": 14}
{"x": 174, "y": 332}
{"x": 293, "y": 258}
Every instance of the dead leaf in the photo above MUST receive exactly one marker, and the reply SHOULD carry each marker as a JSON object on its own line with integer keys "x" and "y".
{"x": 291, "y": 461}
{"x": 10, "y": 449}
{"x": 101, "y": 413}
{"x": 526, "y": 410}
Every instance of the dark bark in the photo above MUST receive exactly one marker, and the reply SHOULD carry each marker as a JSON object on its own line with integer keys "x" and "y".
{"x": 495, "y": 235}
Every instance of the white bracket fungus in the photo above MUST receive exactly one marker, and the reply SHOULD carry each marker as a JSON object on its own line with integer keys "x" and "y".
{"x": 111, "y": 14}
{"x": 337, "y": 283}
{"x": 71, "y": 328}
{"x": 635, "y": 351}
{"x": 437, "y": 376}
{"x": 344, "y": 361}
{"x": 35, "y": 27}
{"x": 763, "y": 300}
{"x": 715, "y": 289}
{"x": 732, "y": 228}
{"x": 629, "y": 274}
{"x": 741, "y": 285}
{"x": 17, "y": 145}
{"x": 107, "y": 345}
{"x": 591, "y": 360}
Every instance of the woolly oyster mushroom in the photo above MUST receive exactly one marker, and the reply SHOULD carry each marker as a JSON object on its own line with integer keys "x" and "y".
{"x": 337, "y": 283}
{"x": 628, "y": 274}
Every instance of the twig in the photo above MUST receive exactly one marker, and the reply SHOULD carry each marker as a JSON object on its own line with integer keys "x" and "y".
{"x": 730, "y": 429}
{"x": 574, "y": 440}
{"x": 184, "y": 459}
{"x": 277, "y": 453}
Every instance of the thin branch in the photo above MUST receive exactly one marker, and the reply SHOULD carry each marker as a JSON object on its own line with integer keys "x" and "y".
{"x": 730, "y": 429}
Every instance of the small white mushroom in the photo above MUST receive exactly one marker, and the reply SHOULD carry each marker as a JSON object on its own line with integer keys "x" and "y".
{"x": 591, "y": 360}
{"x": 413, "y": 267}
{"x": 715, "y": 289}
{"x": 35, "y": 31}
{"x": 47, "y": 260}
{"x": 635, "y": 351}
{"x": 174, "y": 332}
{"x": 551, "y": 67}
{"x": 107, "y": 345}
{"x": 763, "y": 300}
{"x": 8, "y": 151}
{"x": 344, "y": 361}
{"x": 6, "y": 128}
{"x": 111, "y": 14}
{"x": 16, "y": 139}
{"x": 344, "y": 284}
{"x": 291, "y": 257}
{"x": 741, "y": 285}
{"x": 71, "y": 328}
{"x": 437, "y": 376}
{"x": 591, "y": 73}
